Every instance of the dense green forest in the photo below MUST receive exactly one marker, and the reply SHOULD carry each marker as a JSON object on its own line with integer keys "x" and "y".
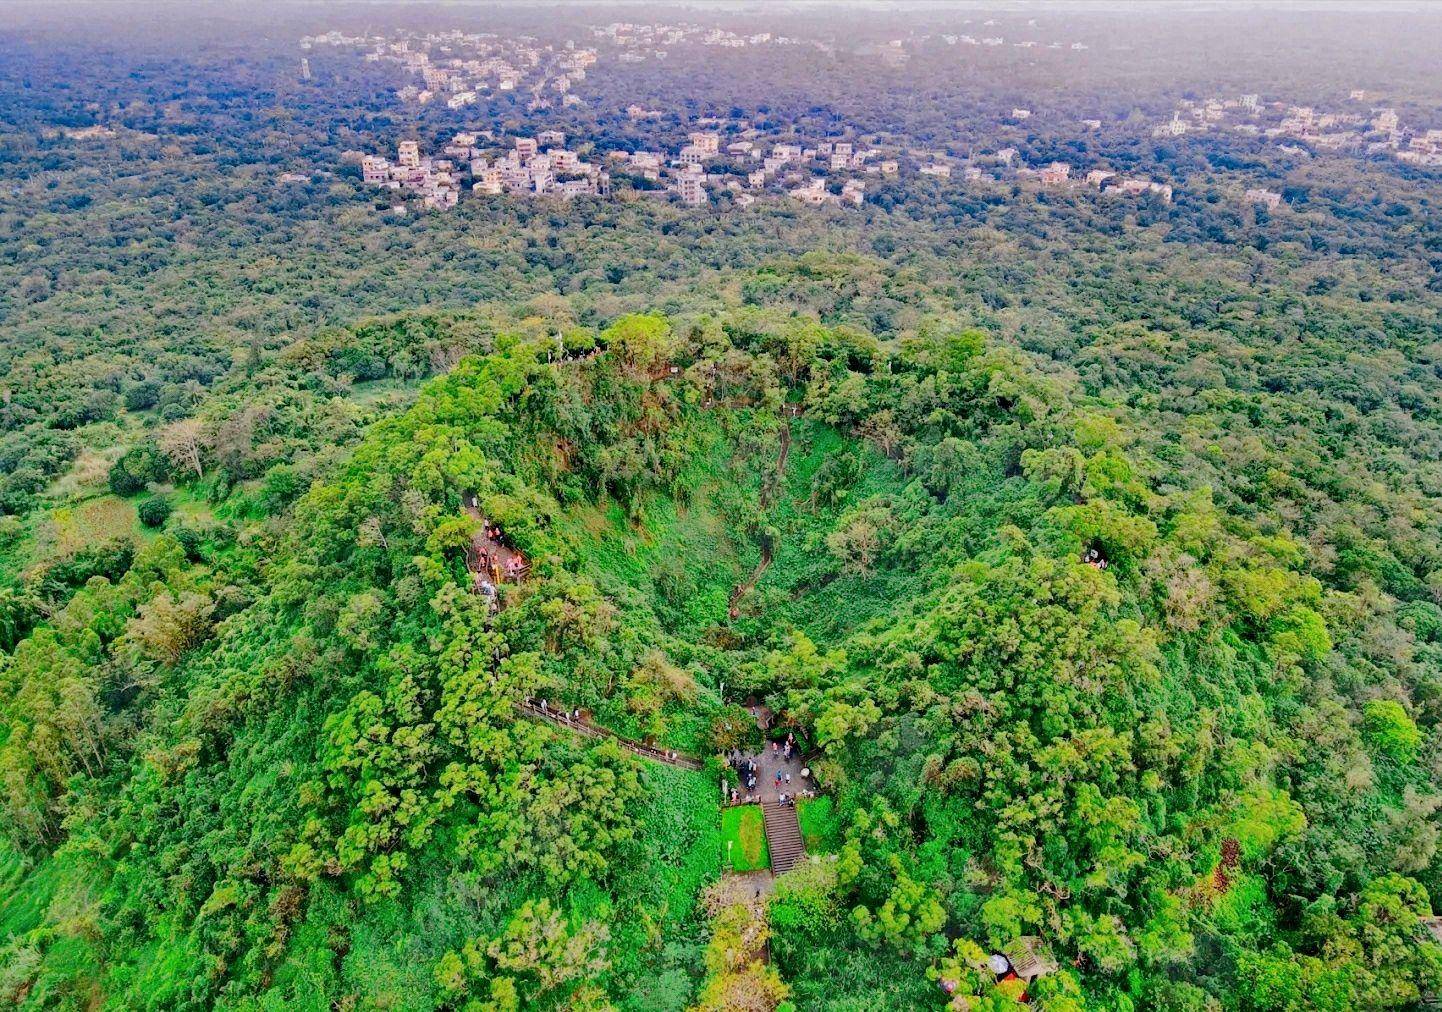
{"x": 263, "y": 745}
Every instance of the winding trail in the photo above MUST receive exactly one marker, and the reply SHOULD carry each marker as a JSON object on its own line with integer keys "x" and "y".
{"x": 767, "y": 497}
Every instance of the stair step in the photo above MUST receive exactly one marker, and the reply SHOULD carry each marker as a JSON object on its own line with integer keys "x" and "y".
{"x": 783, "y": 836}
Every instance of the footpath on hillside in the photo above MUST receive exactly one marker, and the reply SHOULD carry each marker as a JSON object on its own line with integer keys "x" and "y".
{"x": 577, "y": 722}
{"x": 769, "y": 490}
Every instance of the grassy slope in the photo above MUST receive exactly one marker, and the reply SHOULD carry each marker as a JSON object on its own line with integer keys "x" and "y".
{"x": 743, "y": 827}
{"x": 826, "y": 607}
{"x": 680, "y": 557}
{"x": 820, "y": 826}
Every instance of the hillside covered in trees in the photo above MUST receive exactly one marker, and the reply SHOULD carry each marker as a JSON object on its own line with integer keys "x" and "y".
{"x": 387, "y": 601}
{"x": 287, "y": 766}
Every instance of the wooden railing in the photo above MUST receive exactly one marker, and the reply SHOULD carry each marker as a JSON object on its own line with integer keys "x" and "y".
{"x": 562, "y": 719}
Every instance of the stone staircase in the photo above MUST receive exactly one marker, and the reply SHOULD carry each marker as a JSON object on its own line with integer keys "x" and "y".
{"x": 783, "y": 836}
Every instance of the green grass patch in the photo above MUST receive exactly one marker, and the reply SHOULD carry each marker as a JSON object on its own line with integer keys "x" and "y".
{"x": 820, "y": 827}
{"x": 743, "y": 837}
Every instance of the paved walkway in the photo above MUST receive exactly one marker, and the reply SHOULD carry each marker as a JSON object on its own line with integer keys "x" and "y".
{"x": 775, "y": 774}
{"x": 771, "y": 760}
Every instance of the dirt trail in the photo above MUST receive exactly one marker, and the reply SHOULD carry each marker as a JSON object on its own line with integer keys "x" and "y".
{"x": 490, "y": 560}
{"x": 768, "y": 496}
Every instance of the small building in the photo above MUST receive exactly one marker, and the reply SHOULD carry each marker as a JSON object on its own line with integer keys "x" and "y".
{"x": 814, "y": 194}
{"x": 692, "y": 189}
{"x": 1137, "y": 187}
{"x": 1029, "y": 958}
{"x": 1257, "y": 195}
{"x": 374, "y": 169}
{"x": 571, "y": 188}
{"x": 707, "y": 140}
{"x": 489, "y": 182}
{"x": 1055, "y": 174}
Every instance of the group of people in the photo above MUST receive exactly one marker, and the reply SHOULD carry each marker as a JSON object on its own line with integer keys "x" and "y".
{"x": 511, "y": 569}
{"x": 749, "y": 772}
{"x": 496, "y": 558}
{"x": 574, "y": 716}
{"x": 1095, "y": 559}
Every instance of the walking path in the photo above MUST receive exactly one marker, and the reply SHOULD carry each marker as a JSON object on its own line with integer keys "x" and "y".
{"x": 768, "y": 495}
{"x": 560, "y": 719}
{"x": 776, "y": 774}
{"x": 489, "y": 559}
{"x": 783, "y": 836}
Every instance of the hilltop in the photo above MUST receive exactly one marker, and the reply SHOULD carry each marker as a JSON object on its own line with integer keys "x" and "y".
{"x": 1050, "y": 688}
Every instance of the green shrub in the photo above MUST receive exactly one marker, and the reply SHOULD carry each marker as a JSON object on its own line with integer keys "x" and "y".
{"x": 154, "y": 511}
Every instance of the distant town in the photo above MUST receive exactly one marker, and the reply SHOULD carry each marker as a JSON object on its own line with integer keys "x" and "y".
{"x": 746, "y": 163}
{"x": 1362, "y": 129}
{"x": 747, "y": 169}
